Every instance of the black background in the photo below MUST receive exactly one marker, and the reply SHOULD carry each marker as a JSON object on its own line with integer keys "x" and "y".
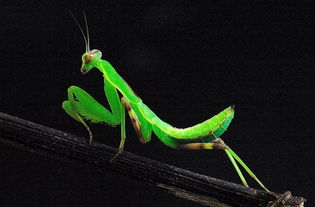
{"x": 187, "y": 61}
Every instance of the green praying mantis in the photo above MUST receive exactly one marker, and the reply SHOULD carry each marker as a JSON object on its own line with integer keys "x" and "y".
{"x": 81, "y": 106}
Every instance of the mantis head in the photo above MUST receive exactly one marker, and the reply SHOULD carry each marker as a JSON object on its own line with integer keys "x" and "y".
{"x": 89, "y": 60}
{"x": 90, "y": 57}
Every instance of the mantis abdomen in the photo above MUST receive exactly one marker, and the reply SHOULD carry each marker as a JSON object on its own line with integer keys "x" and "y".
{"x": 206, "y": 131}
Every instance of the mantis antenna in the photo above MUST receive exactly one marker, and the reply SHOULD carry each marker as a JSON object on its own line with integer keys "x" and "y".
{"x": 87, "y": 32}
{"x": 87, "y": 46}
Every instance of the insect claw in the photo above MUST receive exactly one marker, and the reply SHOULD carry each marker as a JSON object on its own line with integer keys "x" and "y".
{"x": 91, "y": 140}
{"x": 90, "y": 134}
{"x": 116, "y": 156}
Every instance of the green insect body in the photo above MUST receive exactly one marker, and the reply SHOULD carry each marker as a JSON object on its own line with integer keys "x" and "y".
{"x": 81, "y": 106}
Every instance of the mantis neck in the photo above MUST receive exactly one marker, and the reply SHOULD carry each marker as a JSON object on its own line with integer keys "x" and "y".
{"x": 117, "y": 81}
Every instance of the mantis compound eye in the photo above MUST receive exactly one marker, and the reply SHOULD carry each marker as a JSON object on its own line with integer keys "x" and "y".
{"x": 96, "y": 54}
{"x": 86, "y": 58}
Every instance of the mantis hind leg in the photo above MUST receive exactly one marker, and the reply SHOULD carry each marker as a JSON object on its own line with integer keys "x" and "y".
{"x": 219, "y": 144}
{"x": 231, "y": 153}
{"x": 216, "y": 144}
{"x": 233, "y": 156}
{"x": 81, "y": 106}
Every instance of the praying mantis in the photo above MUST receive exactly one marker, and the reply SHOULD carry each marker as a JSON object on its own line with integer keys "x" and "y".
{"x": 83, "y": 107}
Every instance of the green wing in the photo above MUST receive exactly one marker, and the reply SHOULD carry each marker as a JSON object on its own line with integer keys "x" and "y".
{"x": 205, "y": 132}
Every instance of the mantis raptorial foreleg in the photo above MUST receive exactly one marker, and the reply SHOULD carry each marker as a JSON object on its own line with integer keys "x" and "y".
{"x": 71, "y": 108}
{"x": 82, "y": 106}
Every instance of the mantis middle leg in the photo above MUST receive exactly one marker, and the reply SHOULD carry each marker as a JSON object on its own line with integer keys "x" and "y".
{"x": 143, "y": 133}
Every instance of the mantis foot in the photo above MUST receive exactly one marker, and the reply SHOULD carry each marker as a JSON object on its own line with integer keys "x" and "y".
{"x": 116, "y": 156}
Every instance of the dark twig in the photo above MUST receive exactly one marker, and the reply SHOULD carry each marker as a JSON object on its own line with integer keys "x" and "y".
{"x": 189, "y": 185}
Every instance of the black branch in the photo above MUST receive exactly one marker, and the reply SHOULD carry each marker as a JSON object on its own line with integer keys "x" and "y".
{"x": 198, "y": 188}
